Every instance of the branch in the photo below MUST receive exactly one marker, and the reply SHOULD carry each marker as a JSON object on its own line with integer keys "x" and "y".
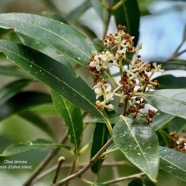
{"x": 124, "y": 178}
{"x": 60, "y": 162}
{"x": 85, "y": 168}
{"x": 45, "y": 162}
{"x": 69, "y": 165}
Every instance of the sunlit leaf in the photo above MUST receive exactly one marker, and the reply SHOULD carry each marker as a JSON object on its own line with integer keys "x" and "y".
{"x": 170, "y": 101}
{"x": 173, "y": 162}
{"x": 139, "y": 143}
{"x": 29, "y": 145}
{"x": 53, "y": 33}
{"x": 72, "y": 117}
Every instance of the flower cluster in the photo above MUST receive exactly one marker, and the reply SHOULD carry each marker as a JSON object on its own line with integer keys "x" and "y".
{"x": 178, "y": 142}
{"x": 135, "y": 75}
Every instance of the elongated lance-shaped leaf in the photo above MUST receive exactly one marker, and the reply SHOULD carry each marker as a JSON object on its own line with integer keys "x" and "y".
{"x": 58, "y": 35}
{"x": 170, "y": 101}
{"x": 139, "y": 143}
{"x": 171, "y": 82}
{"x": 72, "y": 117}
{"x": 128, "y": 15}
{"x": 52, "y": 73}
{"x": 173, "y": 162}
{"x": 30, "y": 145}
{"x": 100, "y": 137}
{"x": 12, "y": 89}
{"x": 23, "y": 101}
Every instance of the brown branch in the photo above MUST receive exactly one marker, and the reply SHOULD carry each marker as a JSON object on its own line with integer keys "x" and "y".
{"x": 69, "y": 165}
{"x": 44, "y": 163}
{"x": 124, "y": 178}
{"x": 85, "y": 168}
{"x": 60, "y": 162}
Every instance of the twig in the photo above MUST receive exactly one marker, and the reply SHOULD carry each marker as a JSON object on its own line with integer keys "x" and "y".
{"x": 60, "y": 162}
{"x": 45, "y": 162}
{"x": 124, "y": 178}
{"x": 120, "y": 3}
{"x": 85, "y": 168}
{"x": 69, "y": 165}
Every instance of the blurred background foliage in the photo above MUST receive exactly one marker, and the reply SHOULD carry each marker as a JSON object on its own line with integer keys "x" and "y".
{"x": 162, "y": 31}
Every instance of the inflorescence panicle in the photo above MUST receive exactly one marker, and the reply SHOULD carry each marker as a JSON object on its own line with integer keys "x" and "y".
{"x": 135, "y": 75}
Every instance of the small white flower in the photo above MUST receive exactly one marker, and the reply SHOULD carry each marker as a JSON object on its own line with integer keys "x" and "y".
{"x": 104, "y": 89}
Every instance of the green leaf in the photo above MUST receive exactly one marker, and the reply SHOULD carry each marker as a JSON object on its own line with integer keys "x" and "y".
{"x": 12, "y": 71}
{"x": 54, "y": 74}
{"x": 12, "y": 89}
{"x": 173, "y": 162}
{"x": 78, "y": 12}
{"x": 30, "y": 145}
{"x": 21, "y": 102}
{"x": 52, "y": 33}
{"x": 128, "y": 15}
{"x": 72, "y": 117}
{"x": 51, "y": 52}
{"x": 170, "y": 101}
{"x": 160, "y": 120}
{"x": 37, "y": 121}
{"x": 99, "y": 139}
{"x": 139, "y": 143}
{"x": 172, "y": 65}
{"x": 169, "y": 81}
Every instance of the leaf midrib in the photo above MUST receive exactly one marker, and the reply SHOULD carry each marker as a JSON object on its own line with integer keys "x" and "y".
{"x": 43, "y": 28}
{"x": 137, "y": 143}
{"x": 47, "y": 72}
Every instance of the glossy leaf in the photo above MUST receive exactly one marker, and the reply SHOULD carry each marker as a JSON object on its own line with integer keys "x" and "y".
{"x": 170, "y": 101}
{"x": 139, "y": 143}
{"x": 128, "y": 15}
{"x": 169, "y": 81}
{"x": 54, "y": 74}
{"x": 37, "y": 121}
{"x": 173, "y": 162}
{"x": 72, "y": 117}
{"x": 99, "y": 139}
{"x": 160, "y": 120}
{"x": 12, "y": 89}
{"x": 29, "y": 145}
{"x": 23, "y": 101}
{"x": 53, "y": 33}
